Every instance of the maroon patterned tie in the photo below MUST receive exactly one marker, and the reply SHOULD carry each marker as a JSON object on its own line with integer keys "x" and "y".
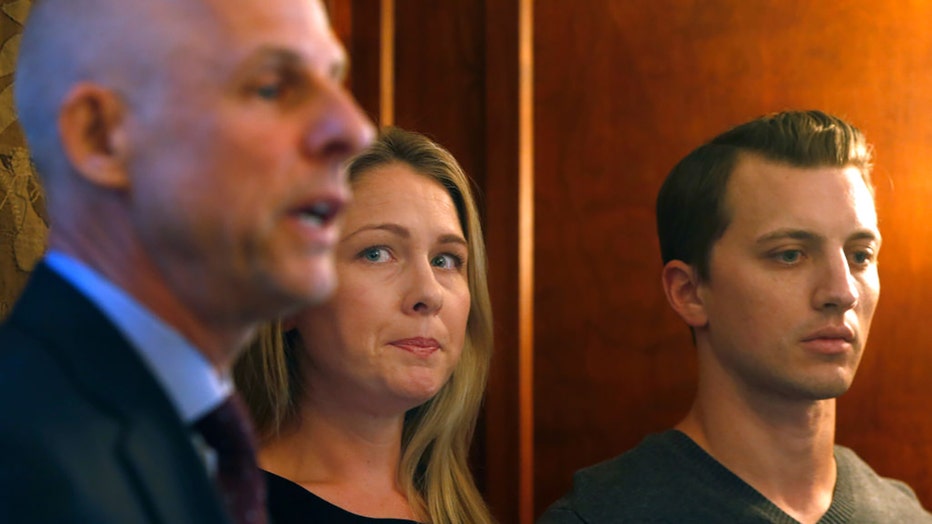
{"x": 228, "y": 431}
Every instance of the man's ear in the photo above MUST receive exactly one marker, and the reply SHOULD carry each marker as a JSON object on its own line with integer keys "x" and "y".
{"x": 92, "y": 128}
{"x": 681, "y": 285}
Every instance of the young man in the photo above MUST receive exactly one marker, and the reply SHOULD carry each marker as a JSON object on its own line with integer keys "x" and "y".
{"x": 191, "y": 151}
{"x": 769, "y": 239}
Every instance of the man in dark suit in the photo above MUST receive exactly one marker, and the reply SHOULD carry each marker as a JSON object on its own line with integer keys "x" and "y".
{"x": 191, "y": 152}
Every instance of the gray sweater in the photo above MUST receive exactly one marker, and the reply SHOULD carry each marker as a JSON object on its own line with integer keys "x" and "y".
{"x": 669, "y": 478}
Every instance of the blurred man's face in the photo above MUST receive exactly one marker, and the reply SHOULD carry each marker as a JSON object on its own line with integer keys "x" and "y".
{"x": 237, "y": 159}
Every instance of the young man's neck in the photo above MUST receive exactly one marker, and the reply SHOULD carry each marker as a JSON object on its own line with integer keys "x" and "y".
{"x": 784, "y": 449}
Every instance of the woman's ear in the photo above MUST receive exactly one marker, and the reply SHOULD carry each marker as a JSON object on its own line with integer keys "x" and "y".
{"x": 682, "y": 286}
{"x": 92, "y": 128}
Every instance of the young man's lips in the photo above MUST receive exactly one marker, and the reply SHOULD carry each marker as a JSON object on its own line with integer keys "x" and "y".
{"x": 843, "y": 333}
{"x": 830, "y": 340}
{"x": 827, "y": 346}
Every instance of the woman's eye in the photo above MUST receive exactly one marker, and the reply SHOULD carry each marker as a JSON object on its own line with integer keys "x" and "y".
{"x": 447, "y": 261}
{"x": 375, "y": 254}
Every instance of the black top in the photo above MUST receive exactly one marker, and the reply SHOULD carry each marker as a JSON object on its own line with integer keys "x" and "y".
{"x": 289, "y": 503}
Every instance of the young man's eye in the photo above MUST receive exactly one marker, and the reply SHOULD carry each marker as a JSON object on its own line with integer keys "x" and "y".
{"x": 862, "y": 257}
{"x": 789, "y": 256}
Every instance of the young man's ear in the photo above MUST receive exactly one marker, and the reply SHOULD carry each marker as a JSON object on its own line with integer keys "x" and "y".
{"x": 681, "y": 285}
{"x": 91, "y": 124}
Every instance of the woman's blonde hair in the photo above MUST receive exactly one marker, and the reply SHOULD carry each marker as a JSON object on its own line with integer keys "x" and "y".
{"x": 435, "y": 440}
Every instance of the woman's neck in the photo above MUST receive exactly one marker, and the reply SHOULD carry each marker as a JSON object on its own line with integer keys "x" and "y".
{"x": 349, "y": 459}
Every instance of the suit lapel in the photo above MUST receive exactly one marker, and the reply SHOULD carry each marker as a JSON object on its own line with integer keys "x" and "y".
{"x": 155, "y": 446}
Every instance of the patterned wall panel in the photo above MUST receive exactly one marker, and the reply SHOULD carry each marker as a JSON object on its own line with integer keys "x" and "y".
{"x": 23, "y": 221}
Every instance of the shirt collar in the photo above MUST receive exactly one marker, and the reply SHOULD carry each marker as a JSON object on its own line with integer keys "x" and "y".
{"x": 192, "y": 383}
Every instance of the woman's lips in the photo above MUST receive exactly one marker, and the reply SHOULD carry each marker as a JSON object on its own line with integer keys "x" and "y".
{"x": 420, "y": 346}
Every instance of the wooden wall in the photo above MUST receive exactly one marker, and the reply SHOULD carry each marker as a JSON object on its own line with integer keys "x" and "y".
{"x": 589, "y": 358}
{"x": 621, "y": 91}
{"x": 625, "y": 89}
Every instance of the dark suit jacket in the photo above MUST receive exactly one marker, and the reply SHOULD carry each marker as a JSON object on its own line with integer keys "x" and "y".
{"x": 86, "y": 433}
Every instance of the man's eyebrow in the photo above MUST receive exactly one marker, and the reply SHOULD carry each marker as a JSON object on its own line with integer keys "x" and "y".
{"x": 793, "y": 234}
{"x": 809, "y": 236}
{"x": 866, "y": 234}
{"x": 266, "y": 55}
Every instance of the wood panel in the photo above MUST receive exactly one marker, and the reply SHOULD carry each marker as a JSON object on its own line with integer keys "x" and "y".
{"x": 625, "y": 89}
{"x": 503, "y": 481}
{"x": 622, "y": 91}
{"x": 440, "y": 76}
{"x": 455, "y": 76}
{"x": 456, "y": 79}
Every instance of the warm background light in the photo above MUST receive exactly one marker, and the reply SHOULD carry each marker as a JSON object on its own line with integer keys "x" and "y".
{"x": 619, "y": 90}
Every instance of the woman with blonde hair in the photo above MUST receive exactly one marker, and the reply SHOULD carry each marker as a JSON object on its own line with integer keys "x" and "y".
{"x": 366, "y": 405}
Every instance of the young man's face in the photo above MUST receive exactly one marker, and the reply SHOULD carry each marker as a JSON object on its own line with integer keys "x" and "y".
{"x": 793, "y": 281}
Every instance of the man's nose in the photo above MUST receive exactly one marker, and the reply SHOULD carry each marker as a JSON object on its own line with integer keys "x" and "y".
{"x": 339, "y": 129}
{"x": 836, "y": 287}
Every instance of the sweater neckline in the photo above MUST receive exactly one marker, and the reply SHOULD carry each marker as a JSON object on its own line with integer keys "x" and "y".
{"x": 841, "y": 509}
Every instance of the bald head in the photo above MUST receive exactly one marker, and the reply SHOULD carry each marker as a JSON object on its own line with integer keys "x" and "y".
{"x": 121, "y": 45}
{"x": 192, "y": 150}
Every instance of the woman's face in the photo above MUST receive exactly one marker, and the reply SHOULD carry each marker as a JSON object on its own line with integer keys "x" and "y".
{"x": 392, "y": 333}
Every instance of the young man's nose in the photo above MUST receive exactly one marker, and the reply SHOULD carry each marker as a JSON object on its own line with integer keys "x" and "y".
{"x": 837, "y": 286}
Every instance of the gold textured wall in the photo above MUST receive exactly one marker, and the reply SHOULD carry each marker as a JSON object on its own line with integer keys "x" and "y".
{"x": 23, "y": 221}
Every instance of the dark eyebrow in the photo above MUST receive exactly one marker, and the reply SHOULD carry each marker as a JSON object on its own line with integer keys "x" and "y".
{"x": 808, "y": 236}
{"x": 867, "y": 234}
{"x": 794, "y": 234}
